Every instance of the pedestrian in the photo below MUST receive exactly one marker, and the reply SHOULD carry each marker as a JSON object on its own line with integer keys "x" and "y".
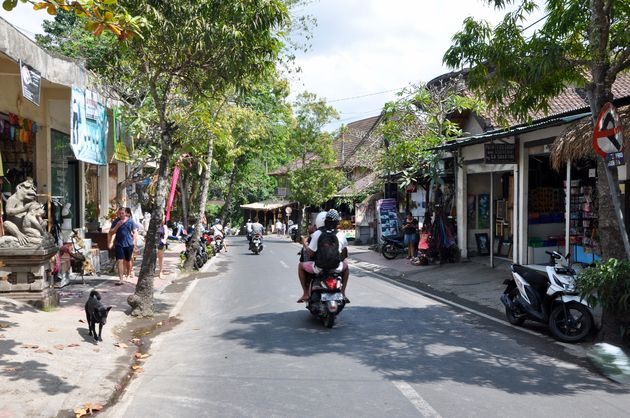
{"x": 410, "y": 229}
{"x": 122, "y": 236}
{"x": 278, "y": 228}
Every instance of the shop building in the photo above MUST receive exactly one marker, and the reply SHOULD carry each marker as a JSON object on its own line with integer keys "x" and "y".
{"x": 516, "y": 204}
{"x": 36, "y": 129}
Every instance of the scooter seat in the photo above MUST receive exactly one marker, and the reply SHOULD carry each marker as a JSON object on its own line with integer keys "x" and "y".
{"x": 536, "y": 278}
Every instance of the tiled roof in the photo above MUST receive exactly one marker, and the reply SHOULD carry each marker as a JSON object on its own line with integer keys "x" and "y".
{"x": 355, "y": 133}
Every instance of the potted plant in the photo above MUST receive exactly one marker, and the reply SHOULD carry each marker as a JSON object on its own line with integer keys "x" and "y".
{"x": 91, "y": 217}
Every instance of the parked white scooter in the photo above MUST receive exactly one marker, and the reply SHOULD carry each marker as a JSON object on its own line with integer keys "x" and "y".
{"x": 548, "y": 296}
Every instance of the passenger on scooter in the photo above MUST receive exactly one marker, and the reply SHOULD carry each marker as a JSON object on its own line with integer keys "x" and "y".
{"x": 330, "y": 223}
{"x": 256, "y": 228}
{"x": 248, "y": 229}
{"x": 217, "y": 229}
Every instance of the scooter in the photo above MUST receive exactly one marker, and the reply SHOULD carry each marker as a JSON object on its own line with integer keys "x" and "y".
{"x": 326, "y": 300}
{"x": 255, "y": 245}
{"x": 392, "y": 247}
{"x": 293, "y": 232}
{"x": 548, "y": 295}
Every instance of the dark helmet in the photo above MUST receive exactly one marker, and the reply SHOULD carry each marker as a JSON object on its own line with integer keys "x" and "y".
{"x": 332, "y": 215}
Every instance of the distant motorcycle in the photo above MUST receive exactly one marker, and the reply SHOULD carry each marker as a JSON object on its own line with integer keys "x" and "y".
{"x": 294, "y": 233}
{"x": 392, "y": 247}
{"x": 548, "y": 296}
{"x": 255, "y": 245}
{"x": 217, "y": 243}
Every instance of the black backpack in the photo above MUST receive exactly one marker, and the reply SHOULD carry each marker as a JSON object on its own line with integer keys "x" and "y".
{"x": 327, "y": 254}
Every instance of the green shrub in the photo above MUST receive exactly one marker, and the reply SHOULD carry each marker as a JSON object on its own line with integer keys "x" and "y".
{"x": 606, "y": 285}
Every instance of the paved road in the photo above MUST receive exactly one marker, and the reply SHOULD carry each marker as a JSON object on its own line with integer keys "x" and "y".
{"x": 246, "y": 349}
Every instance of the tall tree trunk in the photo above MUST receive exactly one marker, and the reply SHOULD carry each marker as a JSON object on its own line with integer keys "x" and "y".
{"x": 141, "y": 301}
{"x": 203, "y": 198}
{"x": 183, "y": 187}
{"x": 230, "y": 194}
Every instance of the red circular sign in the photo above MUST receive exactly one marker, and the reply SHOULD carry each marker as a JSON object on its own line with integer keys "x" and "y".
{"x": 608, "y": 133}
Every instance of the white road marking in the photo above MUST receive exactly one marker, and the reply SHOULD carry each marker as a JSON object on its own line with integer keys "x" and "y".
{"x": 283, "y": 264}
{"x": 416, "y": 400}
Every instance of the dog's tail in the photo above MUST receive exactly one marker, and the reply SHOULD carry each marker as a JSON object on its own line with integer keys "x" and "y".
{"x": 95, "y": 294}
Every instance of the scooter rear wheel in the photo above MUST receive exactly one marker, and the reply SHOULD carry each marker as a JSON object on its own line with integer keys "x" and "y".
{"x": 389, "y": 251}
{"x": 513, "y": 319}
{"x": 572, "y": 326}
{"x": 329, "y": 321}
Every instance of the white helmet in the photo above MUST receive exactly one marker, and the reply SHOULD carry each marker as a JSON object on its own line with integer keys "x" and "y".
{"x": 320, "y": 219}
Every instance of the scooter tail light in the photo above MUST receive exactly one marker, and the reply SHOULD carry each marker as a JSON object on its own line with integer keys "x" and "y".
{"x": 331, "y": 283}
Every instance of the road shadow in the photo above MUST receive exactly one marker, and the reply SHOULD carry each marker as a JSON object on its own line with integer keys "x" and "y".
{"x": 423, "y": 345}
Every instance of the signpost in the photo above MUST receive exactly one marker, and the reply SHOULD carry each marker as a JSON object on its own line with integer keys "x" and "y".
{"x": 608, "y": 143}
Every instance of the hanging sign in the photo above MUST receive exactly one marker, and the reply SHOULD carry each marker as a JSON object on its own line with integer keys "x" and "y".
{"x": 499, "y": 154}
{"x": 31, "y": 82}
{"x": 608, "y": 133}
{"x": 88, "y": 127}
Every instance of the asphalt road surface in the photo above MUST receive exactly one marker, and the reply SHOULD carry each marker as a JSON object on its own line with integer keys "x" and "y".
{"x": 245, "y": 348}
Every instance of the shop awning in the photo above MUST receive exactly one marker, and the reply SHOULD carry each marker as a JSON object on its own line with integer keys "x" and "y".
{"x": 512, "y": 131}
{"x": 266, "y": 205}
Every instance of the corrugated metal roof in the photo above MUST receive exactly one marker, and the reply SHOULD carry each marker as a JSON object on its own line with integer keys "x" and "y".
{"x": 503, "y": 133}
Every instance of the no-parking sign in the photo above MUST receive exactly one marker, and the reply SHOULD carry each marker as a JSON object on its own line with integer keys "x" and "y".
{"x": 608, "y": 133}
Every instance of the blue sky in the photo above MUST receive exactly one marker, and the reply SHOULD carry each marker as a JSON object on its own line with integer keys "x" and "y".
{"x": 366, "y": 48}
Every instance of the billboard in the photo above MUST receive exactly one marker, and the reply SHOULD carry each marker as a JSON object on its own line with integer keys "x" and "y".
{"x": 89, "y": 127}
{"x": 123, "y": 142}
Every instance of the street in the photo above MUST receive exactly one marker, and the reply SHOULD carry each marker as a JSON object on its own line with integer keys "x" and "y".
{"x": 244, "y": 348}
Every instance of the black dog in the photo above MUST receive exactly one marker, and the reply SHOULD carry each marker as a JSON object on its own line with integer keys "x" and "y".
{"x": 96, "y": 312}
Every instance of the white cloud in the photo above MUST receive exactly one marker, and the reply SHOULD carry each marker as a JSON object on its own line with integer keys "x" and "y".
{"x": 367, "y": 46}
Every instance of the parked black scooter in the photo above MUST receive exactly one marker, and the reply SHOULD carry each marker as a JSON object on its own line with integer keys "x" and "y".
{"x": 392, "y": 247}
{"x": 547, "y": 294}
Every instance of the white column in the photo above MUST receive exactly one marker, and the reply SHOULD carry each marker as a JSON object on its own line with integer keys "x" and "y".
{"x": 522, "y": 192}
{"x": 567, "y": 209}
{"x": 462, "y": 211}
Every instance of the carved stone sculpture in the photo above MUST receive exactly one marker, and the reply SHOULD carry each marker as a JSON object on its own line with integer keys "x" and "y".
{"x": 24, "y": 225}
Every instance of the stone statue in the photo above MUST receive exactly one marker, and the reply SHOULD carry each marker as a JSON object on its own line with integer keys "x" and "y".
{"x": 24, "y": 225}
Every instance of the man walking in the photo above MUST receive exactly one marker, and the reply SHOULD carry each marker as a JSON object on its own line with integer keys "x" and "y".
{"x": 124, "y": 229}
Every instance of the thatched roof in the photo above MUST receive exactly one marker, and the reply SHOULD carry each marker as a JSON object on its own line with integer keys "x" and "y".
{"x": 575, "y": 142}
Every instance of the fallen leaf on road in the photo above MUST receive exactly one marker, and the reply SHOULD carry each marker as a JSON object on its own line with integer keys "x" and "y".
{"x": 135, "y": 367}
{"x": 79, "y": 412}
{"x": 159, "y": 324}
{"x": 4, "y": 325}
{"x": 136, "y": 341}
{"x": 52, "y": 330}
{"x": 60, "y": 346}
{"x": 73, "y": 345}
{"x": 93, "y": 407}
{"x": 2, "y": 336}
{"x": 82, "y": 320}
{"x": 96, "y": 350}
{"x": 121, "y": 345}
{"x": 10, "y": 369}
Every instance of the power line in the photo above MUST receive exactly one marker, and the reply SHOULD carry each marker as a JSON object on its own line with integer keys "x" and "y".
{"x": 364, "y": 95}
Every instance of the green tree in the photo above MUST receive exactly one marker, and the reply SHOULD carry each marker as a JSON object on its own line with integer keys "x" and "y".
{"x": 194, "y": 49}
{"x": 580, "y": 42}
{"x": 98, "y": 15}
{"x": 315, "y": 179}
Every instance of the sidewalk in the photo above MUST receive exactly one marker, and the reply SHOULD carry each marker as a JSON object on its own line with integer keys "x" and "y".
{"x": 471, "y": 281}
{"x": 48, "y": 363}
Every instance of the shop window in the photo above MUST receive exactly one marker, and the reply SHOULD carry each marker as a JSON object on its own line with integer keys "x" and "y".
{"x": 17, "y": 145}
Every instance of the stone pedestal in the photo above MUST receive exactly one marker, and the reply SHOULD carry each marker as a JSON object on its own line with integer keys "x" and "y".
{"x": 26, "y": 275}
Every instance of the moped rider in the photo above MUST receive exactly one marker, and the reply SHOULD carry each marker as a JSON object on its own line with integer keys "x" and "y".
{"x": 330, "y": 223}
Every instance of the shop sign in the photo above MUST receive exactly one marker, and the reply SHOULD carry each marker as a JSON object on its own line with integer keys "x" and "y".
{"x": 499, "y": 154}
{"x": 388, "y": 217}
{"x": 31, "y": 82}
{"x": 608, "y": 132}
{"x": 615, "y": 159}
{"x": 123, "y": 142}
{"x": 89, "y": 127}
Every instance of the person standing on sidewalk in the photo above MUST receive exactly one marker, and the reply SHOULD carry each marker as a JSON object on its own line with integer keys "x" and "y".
{"x": 410, "y": 229}
{"x": 123, "y": 232}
